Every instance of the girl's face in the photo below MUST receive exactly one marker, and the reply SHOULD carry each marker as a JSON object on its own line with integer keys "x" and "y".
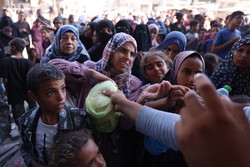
{"x": 189, "y": 67}
{"x": 90, "y": 156}
{"x": 68, "y": 43}
{"x": 241, "y": 56}
{"x": 155, "y": 69}
{"x": 171, "y": 50}
{"x": 58, "y": 24}
{"x": 153, "y": 33}
{"x": 123, "y": 58}
{"x": 45, "y": 34}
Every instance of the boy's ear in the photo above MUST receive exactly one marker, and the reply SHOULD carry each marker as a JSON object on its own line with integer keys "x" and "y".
{"x": 31, "y": 96}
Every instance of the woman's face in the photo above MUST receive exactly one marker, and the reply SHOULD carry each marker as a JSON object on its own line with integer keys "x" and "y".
{"x": 88, "y": 32}
{"x": 155, "y": 69}
{"x": 189, "y": 67}
{"x": 153, "y": 33}
{"x": 241, "y": 56}
{"x": 68, "y": 43}
{"x": 123, "y": 57}
{"x": 171, "y": 50}
{"x": 90, "y": 156}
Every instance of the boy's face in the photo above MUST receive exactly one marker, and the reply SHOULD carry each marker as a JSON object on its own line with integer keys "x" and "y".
{"x": 51, "y": 96}
{"x": 214, "y": 30}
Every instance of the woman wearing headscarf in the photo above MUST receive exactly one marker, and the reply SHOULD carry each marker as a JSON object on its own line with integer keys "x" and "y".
{"x": 118, "y": 56}
{"x": 174, "y": 43}
{"x": 143, "y": 39}
{"x": 124, "y": 25}
{"x": 86, "y": 37}
{"x": 67, "y": 46}
{"x": 235, "y": 69}
{"x": 105, "y": 29}
{"x": 154, "y": 30}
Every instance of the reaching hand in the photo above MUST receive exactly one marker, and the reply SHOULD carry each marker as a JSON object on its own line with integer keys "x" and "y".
{"x": 215, "y": 133}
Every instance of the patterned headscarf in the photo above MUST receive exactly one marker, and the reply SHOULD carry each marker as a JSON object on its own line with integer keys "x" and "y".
{"x": 54, "y": 50}
{"x": 228, "y": 74}
{"x": 178, "y": 60}
{"x": 103, "y": 66}
{"x": 174, "y": 37}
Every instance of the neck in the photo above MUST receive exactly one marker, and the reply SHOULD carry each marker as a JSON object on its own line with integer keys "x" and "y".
{"x": 50, "y": 118}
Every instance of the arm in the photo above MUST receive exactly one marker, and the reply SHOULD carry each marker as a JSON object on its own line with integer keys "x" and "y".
{"x": 215, "y": 48}
{"x": 154, "y": 123}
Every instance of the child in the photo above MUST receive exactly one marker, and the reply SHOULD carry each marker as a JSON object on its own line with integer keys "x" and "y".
{"x": 45, "y": 38}
{"x": 77, "y": 149}
{"x": 13, "y": 70}
{"x": 41, "y": 126}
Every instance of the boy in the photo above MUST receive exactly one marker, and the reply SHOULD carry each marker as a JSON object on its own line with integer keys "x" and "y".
{"x": 13, "y": 70}
{"x": 42, "y": 126}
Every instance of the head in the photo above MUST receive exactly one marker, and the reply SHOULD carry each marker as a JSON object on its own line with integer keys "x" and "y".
{"x": 105, "y": 29}
{"x": 21, "y": 16}
{"x": 153, "y": 29}
{"x": 174, "y": 43}
{"x": 211, "y": 62}
{"x": 185, "y": 65}
{"x": 39, "y": 12}
{"x": 124, "y": 26}
{"x": 154, "y": 65}
{"x": 202, "y": 32}
{"x": 77, "y": 149}
{"x": 67, "y": 40}
{"x": 8, "y": 30}
{"x": 236, "y": 19}
{"x": 17, "y": 45}
{"x": 201, "y": 20}
{"x": 58, "y": 22}
{"x": 240, "y": 53}
{"x": 90, "y": 28}
{"x": 214, "y": 29}
{"x": 46, "y": 86}
{"x": 71, "y": 19}
{"x": 179, "y": 17}
{"x": 194, "y": 25}
{"x": 45, "y": 33}
{"x": 119, "y": 53}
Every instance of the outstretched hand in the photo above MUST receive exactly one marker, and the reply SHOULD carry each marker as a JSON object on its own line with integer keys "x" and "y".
{"x": 214, "y": 133}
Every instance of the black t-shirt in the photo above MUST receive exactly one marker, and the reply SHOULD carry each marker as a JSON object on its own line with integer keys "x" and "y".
{"x": 15, "y": 71}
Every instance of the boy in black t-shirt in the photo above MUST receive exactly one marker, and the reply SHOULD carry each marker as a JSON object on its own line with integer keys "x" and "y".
{"x": 13, "y": 70}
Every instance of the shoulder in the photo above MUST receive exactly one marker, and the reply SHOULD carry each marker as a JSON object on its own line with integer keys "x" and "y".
{"x": 29, "y": 116}
{"x": 135, "y": 82}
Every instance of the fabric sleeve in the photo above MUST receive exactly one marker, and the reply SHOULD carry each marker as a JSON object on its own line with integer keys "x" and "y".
{"x": 159, "y": 125}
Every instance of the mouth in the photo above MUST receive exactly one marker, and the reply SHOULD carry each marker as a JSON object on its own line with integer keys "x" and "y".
{"x": 124, "y": 64}
{"x": 60, "y": 106}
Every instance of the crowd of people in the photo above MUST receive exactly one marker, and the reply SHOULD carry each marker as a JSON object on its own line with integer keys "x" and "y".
{"x": 167, "y": 74}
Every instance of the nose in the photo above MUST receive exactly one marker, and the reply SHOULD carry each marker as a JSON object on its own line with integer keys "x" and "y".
{"x": 61, "y": 95}
{"x": 191, "y": 78}
{"x": 100, "y": 162}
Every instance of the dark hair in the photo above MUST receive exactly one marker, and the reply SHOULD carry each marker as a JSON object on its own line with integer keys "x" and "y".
{"x": 7, "y": 29}
{"x": 211, "y": 62}
{"x": 66, "y": 149}
{"x": 41, "y": 73}
{"x": 193, "y": 23}
{"x": 235, "y": 13}
{"x": 198, "y": 17}
{"x": 18, "y": 43}
{"x": 179, "y": 15}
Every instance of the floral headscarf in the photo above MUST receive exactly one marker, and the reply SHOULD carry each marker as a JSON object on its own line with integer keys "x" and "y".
{"x": 178, "y": 60}
{"x": 53, "y": 51}
{"x": 103, "y": 66}
{"x": 228, "y": 74}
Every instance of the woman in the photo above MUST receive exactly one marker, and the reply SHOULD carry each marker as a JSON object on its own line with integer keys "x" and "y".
{"x": 116, "y": 63}
{"x": 235, "y": 69}
{"x": 77, "y": 148}
{"x": 174, "y": 43}
{"x": 67, "y": 45}
{"x": 124, "y": 25}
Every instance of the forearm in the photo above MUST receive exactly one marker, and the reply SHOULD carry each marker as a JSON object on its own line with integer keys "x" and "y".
{"x": 157, "y": 104}
{"x": 159, "y": 125}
